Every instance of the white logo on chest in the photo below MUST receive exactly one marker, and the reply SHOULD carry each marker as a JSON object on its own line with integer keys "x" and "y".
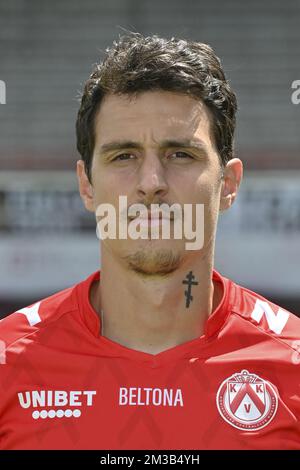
{"x": 56, "y": 400}
{"x": 247, "y": 401}
{"x": 138, "y": 396}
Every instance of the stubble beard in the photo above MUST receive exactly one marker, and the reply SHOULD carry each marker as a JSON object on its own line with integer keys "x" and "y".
{"x": 154, "y": 262}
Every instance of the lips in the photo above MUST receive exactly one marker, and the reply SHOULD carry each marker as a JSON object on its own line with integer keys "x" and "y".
{"x": 154, "y": 216}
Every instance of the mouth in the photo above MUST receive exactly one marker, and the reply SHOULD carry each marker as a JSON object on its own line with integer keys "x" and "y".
{"x": 153, "y": 217}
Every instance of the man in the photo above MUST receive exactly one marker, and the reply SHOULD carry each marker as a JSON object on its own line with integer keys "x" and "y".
{"x": 158, "y": 350}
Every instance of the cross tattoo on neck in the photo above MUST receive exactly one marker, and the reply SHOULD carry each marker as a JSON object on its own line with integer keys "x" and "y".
{"x": 190, "y": 282}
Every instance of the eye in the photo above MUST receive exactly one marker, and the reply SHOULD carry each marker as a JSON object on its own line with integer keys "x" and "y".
{"x": 123, "y": 157}
{"x": 183, "y": 155}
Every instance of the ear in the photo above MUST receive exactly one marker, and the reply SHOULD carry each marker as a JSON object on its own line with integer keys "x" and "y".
{"x": 232, "y": 177}
{"x": 85, "y": 187}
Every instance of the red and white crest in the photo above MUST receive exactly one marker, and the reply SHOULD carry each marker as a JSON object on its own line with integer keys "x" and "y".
{"x": 246, "y": 401}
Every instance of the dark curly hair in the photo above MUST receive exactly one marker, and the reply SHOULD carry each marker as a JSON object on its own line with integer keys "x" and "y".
{"x": 135, "y": 64}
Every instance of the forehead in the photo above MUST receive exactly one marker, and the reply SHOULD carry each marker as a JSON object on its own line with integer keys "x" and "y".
{"x": 152, "y": 113}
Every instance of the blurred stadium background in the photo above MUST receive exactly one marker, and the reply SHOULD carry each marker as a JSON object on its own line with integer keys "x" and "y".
{"x": 47, "y": 240}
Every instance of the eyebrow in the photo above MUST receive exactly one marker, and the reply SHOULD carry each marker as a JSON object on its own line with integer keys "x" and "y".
{"x": 182, "y": 143}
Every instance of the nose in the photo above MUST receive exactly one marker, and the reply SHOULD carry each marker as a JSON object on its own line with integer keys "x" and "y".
{"x": 152, "y": 179}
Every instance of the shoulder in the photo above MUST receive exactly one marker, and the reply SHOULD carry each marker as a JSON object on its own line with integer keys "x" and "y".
{"x": 266, "y": 316}
{"x": 32, "y": 318}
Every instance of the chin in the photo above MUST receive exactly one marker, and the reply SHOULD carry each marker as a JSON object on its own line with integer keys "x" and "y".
{"x": 154, "y": 259}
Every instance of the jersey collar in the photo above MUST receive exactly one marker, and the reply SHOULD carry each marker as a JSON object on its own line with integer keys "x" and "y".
{"x": 212, "y": 327}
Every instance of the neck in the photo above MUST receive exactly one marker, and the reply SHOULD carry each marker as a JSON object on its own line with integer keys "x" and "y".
{"x": 155, "y": 313}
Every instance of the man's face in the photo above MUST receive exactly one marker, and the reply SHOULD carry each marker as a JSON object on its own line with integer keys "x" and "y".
{"x": 156, "y": 171}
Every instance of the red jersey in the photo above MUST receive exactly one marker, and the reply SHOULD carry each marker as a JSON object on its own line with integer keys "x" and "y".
{"x": 64, "y": 386}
